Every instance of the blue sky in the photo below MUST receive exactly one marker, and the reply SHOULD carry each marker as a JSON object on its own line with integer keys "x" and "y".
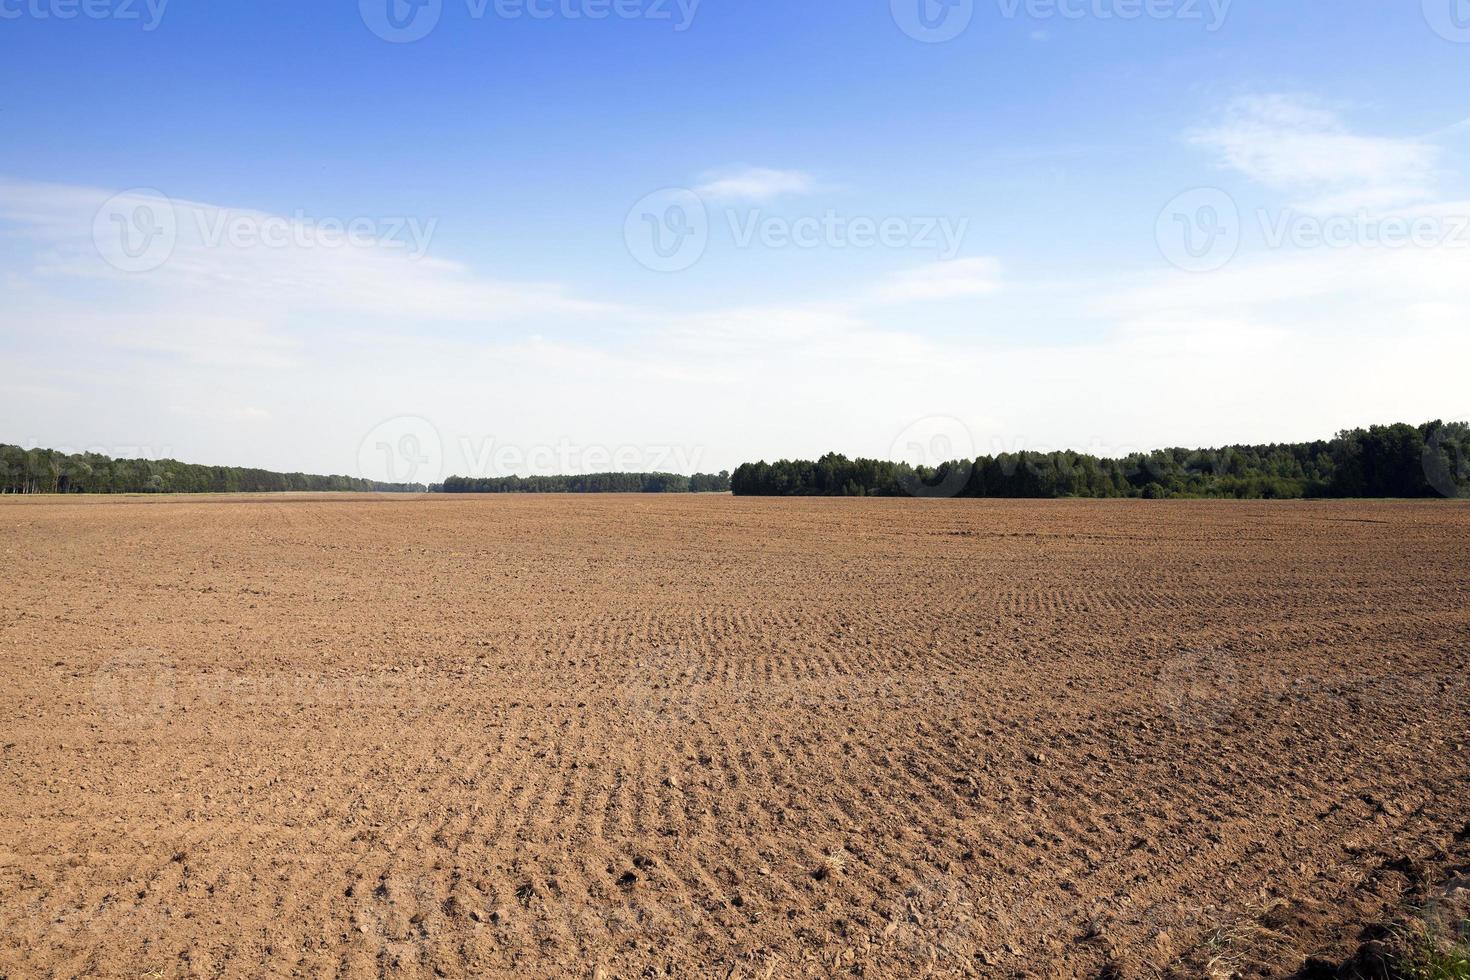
{"x": 514, "y": 156}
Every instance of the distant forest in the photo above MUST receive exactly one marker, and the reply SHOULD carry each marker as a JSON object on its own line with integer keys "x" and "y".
{"x": 1430, "y": 460}
{"x": 50, "y": 471}
{"x": 591, "y": 483}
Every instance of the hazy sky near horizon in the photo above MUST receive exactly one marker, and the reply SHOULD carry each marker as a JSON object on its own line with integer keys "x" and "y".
{"x": 407, "y": 239}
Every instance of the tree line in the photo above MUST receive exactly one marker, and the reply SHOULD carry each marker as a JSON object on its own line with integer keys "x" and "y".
{"x": 1430, "y": 460}
{"x": 52, "y": 471}
{"x": 591, "y": 483}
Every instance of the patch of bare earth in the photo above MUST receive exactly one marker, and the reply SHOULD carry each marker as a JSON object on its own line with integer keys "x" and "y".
{"x": 702, "y": 736}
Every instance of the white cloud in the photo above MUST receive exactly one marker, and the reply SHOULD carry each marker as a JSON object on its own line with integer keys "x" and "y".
{"x": 1276, "y": 346}
{"x": 236, "y": 259}
{"x": 754, "y": 184}
{"x": 1297, "y": 144}
{"x": 941, "y": 281}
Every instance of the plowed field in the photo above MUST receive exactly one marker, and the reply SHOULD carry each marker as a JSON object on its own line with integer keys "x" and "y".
{"x": 705, "y": 736}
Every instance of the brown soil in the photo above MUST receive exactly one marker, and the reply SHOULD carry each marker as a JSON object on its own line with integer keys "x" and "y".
{"x": 701, "y": 736}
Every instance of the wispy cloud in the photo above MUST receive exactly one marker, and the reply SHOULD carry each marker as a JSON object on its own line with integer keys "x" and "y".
{"x": 1298, "y": 144}
{"x": 757, "y": 184}
{"x": 940, "y": 281}
{"x": 332, "y": 342}
{"x": 249, "y": 260}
